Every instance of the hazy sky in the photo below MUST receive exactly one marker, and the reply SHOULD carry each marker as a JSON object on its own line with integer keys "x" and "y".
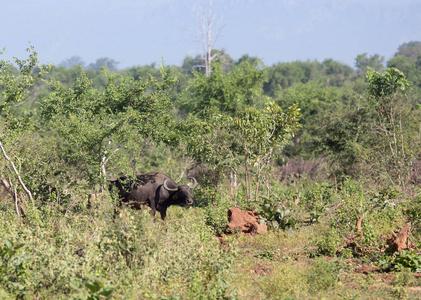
{"x": 139, "y": 32}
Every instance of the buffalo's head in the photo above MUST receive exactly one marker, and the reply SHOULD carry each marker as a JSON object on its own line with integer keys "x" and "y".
{"x": 181, "y": 192}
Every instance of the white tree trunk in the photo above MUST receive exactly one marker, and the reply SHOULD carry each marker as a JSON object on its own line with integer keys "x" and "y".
{"x": 28, "y": 192}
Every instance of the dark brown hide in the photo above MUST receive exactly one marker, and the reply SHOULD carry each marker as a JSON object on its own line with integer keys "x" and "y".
{"x": 156, "y": 190}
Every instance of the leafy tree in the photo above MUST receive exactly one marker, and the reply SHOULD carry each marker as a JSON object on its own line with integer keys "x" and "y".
{"x": 394, "y": 128}
{"x": 408, "y": 60}
{"x": 15, "y": 88}
{"x": 72, "y": 61}
{"x": 102, "y": 62}
{"x": 376, "y": 62}
{"x": 343, "y": 137}
{"x": 231, "y": 131}
{"x": 142, "y": 72}
{"x": 253, "y": 60}
{"x": 284, "y": 75}
{"x": 313, "y": 99}
{"x": 244, "y": 143}
{"x": 410, "y": 49}
{"x": 92, "y": 125}
{"x": 224, "y": 58}
{"x": 336, "y": 73}
{"x": 229, "y": 91}
{"x": 261, "y": 133}
{"x": 193, "y": 63}
{"x": 384, "y": 85}
{"x": 410, "y": 67}
{"x": 376, "y": 134}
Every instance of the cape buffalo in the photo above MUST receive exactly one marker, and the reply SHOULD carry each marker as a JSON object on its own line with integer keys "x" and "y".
{"x": 156, "y": 190}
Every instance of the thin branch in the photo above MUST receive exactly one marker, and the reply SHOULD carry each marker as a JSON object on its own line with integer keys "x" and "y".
{"x": 108, "y": 158}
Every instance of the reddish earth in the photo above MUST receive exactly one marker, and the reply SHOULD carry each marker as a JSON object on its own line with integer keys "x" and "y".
{"x": 246, "y": 221}
{"x": 366, "y": 270}
{"x": 262, "y": 270}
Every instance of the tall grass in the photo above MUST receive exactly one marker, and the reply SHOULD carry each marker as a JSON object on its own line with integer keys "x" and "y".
{"x": 138, "y": 257}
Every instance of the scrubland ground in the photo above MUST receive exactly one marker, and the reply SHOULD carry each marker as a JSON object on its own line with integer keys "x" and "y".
{"x": 92, "y": 253}
{"x": 328, "y": 157}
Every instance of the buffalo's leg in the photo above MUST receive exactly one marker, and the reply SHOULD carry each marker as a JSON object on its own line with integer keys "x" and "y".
{"x": 163, "y": 213}
{"x": 153, "y": 211}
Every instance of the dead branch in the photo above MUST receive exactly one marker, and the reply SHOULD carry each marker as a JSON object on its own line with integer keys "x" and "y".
{"x": 359, "y": 227}
{"x": 28, "y": 192}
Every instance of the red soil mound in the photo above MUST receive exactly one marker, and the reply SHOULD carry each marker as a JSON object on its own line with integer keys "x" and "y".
{"x": 245, "y": 221}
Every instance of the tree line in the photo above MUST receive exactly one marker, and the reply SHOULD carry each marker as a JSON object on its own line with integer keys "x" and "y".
{"x": 66, "y": 128}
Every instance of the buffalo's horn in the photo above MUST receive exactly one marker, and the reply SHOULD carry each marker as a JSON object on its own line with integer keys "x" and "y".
{"x": 194, "y": 182}
{"x": 168, "y": 188}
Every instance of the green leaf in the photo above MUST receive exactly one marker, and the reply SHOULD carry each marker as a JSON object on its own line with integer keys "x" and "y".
{"x": 19, "y": 246}
{"x": 93, "y": 287}
{"x": 8, "y": 243}
{"x": 275, "y": 224}
{"x": 107, "y": 291}
{"x": 76, "y": 285}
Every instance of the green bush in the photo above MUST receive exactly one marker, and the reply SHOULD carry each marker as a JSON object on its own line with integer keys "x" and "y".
{"x": 94, "y": 288}
{"x": 276, "y": 214}
{"x": 317, "y": 195}
{"x": 13, "y": 268}
{"x": 324, "y": 274}
{"x": 407, "y": 259}
{"x": 216, "y": 214}
{"x": 412, "y": 211}
{"x": 328, "y": 243}
{"x": 379, "y": 209}
{"x": 137, "y": 256}
{"x": 288, "y": 281}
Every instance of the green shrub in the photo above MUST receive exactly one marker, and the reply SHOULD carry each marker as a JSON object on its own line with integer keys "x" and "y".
{"x": 347, "y": 253}
{"x": 13, "y": 268}
{"x": 92, "y": 289}
{"x": 328, "y": 243}
{"x": 379, "y": 209}
{"x": 324, "y": 274}
{"x": 276, "y": 214}
{"x": 137, "y": 256}
{"x": 317, "y": 195}
{"x": 216, "y": 214}
{"x": 405, "y": 277}
{"x": 288, "y": 281}
{"x": 407, "y": 259}
{"x": 412, "y": 211}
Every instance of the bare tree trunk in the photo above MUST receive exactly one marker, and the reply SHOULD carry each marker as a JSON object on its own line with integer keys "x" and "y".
{"x": 12, "y": 190}
{"x": 103, "y": 172}
{"x": 259, "y": 170}
{"x": 209, "y": 32}
{"x": 28, "y": 192}
{"x": 247, "y": 178}
{"x": 104, "y": 161}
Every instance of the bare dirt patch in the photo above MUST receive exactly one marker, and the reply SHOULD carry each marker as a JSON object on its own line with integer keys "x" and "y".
{"x": 367, "y": 270}
{"x": 262, "y": 270}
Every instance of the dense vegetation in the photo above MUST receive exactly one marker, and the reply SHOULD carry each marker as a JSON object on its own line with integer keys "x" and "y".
{"x": 328, "y": 155}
